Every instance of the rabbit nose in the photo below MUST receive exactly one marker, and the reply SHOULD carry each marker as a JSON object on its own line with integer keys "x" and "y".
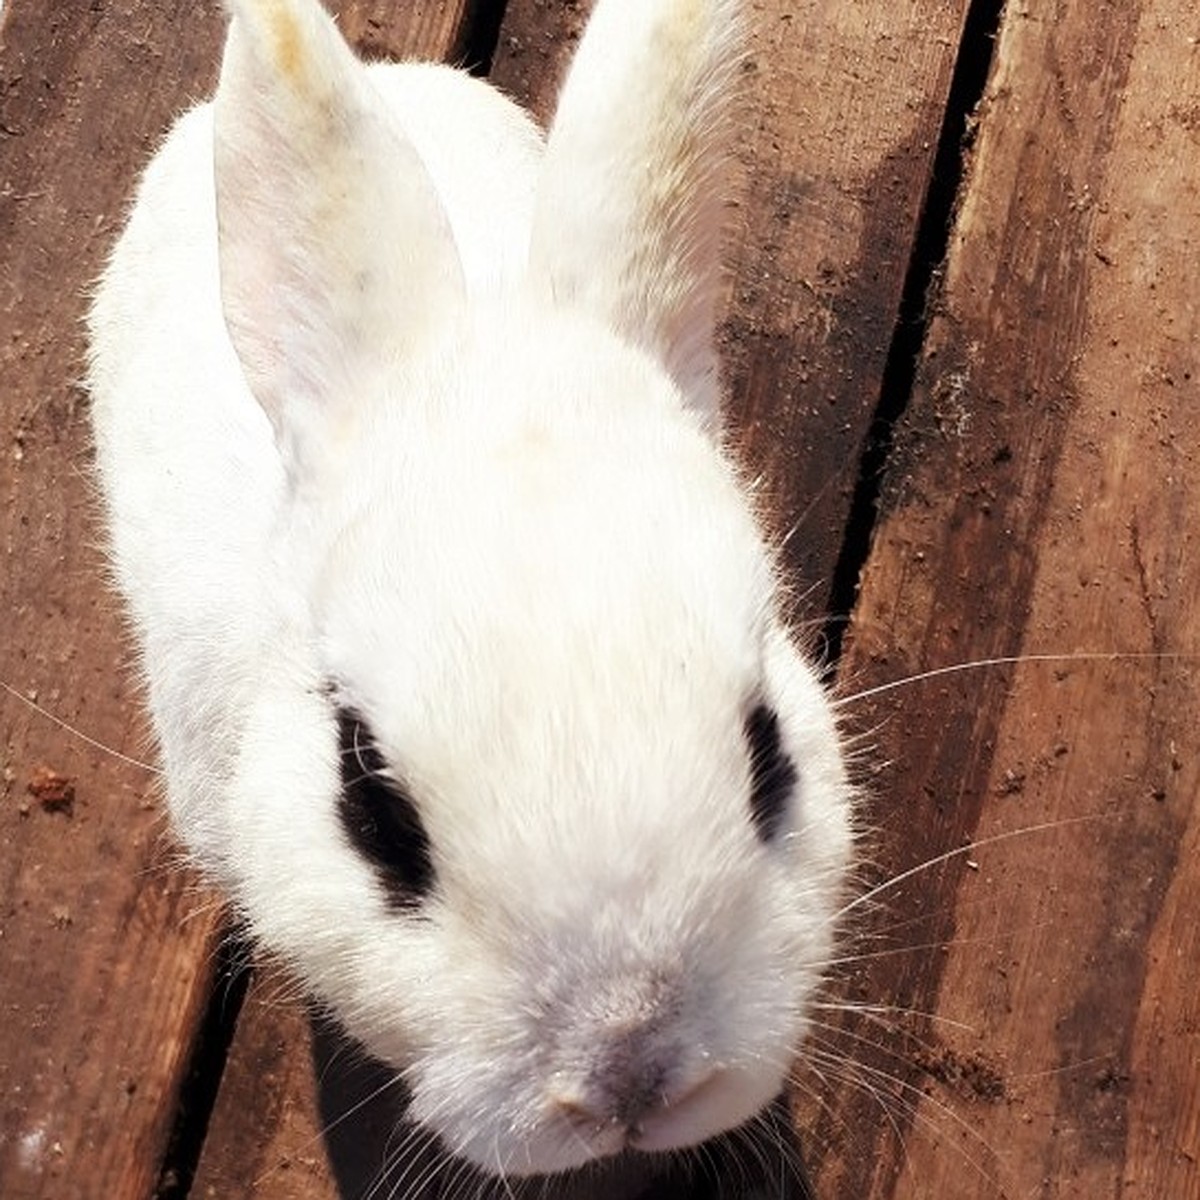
{"x": 632, "y": 1074}
{"x": 623, "y": 1059}
{"x": 617, "y": 1095}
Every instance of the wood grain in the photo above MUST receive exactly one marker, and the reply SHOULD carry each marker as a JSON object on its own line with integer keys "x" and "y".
{"x": 1042, "y": 501}
{"x": 847, "y": 103}
{"x": 265, "y": 1139}
{"x": 427, "y": 29}
{"x": 105, "y": 948}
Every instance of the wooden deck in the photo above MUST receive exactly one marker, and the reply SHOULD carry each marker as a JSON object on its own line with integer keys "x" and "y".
{"x": 963, "y": 339}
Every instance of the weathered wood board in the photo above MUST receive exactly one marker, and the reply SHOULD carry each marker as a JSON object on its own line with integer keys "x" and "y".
{"x": 1039, "y": 499}
{"x": 1043, "y": 499}
{"x": 105, "y": 949}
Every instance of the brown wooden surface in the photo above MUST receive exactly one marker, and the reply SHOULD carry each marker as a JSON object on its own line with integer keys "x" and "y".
{"x": 105, "y": 949}
{"x": 1044, "y": 499}
{"x": 844, "y": 107}
{"x": 1040, "y": 499}
{"x": 265, "y": 1138}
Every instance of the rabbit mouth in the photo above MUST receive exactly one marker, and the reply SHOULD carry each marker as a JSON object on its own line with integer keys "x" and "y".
{"x": 676, "y": 1124}
{"x": 717, "y": 1101}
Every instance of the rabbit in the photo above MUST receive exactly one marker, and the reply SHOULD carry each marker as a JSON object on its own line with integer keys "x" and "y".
{"x": 460, "y": 630}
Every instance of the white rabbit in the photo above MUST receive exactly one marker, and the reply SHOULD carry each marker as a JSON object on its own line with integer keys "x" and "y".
{"x": 461, "y": 639}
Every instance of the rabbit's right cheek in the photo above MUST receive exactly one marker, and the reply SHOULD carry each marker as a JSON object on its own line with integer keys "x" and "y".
{"x": 380, "y": 818}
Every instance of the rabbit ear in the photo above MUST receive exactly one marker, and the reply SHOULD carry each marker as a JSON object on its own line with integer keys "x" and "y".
{"x": 630, "y": 203}
{"x": 335, "y": 253}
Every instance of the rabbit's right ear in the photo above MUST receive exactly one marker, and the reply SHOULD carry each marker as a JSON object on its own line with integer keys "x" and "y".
{"x": 335, "y": 253}
{"x": 631, "y": 200}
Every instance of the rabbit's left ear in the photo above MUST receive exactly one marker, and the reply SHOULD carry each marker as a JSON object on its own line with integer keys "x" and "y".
{"x": 336, "y": 256}
{"x": 631, "y": 201}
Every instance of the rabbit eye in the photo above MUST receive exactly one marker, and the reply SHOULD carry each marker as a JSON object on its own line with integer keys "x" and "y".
{"x": 772, "y": 773}
{"x": 380, "y": 818}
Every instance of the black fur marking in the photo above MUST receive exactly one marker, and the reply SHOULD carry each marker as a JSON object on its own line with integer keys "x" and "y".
{"x": 772, "y": 774}
{"x": 380, "y": 818}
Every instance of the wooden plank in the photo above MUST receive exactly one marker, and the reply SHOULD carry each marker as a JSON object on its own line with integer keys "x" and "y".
{"x": 537, "y": 41}
{"x": 1043, "y": 500}
{"x": 265, "y": 1139}
{"x": 105, "y": 948}
{"x": 424, "y": 29}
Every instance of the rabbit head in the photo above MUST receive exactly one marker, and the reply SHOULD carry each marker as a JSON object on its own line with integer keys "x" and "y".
{"x": 530, "y": 785}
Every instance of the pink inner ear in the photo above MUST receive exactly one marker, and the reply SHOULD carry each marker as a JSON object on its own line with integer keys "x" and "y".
{"x": 309, "y": 169}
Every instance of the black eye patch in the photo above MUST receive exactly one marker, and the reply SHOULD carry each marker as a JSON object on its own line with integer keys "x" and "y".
{"x": 380, "y": 818}
{"x": 772, "y": 773}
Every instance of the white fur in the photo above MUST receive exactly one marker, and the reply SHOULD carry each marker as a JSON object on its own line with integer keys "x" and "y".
{"x": 480, "y": 499}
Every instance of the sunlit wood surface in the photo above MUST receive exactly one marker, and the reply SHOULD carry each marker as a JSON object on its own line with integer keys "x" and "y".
{"x": 998, "y": 303}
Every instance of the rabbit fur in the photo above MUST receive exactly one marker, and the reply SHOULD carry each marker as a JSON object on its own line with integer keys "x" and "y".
{"x": 407, "y": 425}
